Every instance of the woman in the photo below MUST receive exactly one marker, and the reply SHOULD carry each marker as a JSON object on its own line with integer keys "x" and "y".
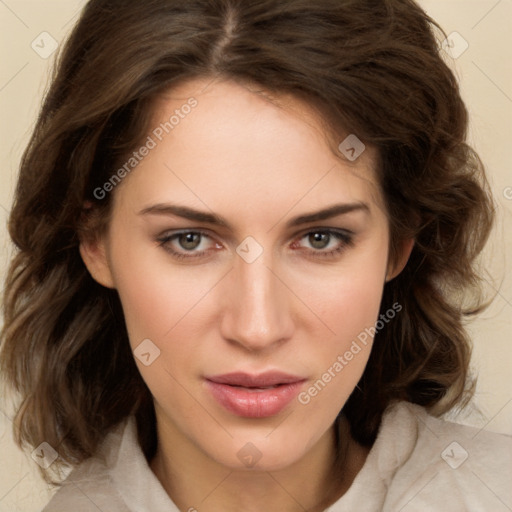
{"x": 243, "y": 231}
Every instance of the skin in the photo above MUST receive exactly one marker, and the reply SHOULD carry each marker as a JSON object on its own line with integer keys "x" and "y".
{"x": 293, "y": 309}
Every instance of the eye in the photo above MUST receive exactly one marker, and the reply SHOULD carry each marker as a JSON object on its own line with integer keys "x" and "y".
{"x": 319, "y": 239}
{"x": 189, "y": 241}
{"x": 188, "y": 244}
{"x": 324, "y": 242}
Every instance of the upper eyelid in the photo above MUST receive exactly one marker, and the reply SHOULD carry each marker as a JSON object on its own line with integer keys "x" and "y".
{"x": 325, "y": 229}
{"x": 173, "y": 232}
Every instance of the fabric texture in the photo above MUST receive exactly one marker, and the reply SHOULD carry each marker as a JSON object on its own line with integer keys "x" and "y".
{"x": 417, "y": 463}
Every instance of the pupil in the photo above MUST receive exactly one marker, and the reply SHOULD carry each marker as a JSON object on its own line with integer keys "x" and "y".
{"x": 319, "y": 240}
{"x": 189, "y": 240}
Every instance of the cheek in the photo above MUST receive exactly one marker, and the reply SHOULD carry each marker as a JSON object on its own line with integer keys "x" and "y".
{"x": 338, "y": 360}
{"x": 352, "y": 303}
{"x": 156, "y": 296}
{"x": 347, "y": 304}
{"x": 346, "y": 298}
{"x": 158, "y": 304}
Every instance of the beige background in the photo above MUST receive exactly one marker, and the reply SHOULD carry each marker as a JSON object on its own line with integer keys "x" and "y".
{"x": 485, "y": 74}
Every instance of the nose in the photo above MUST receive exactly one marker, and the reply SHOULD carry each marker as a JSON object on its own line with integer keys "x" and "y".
{"x": 256, "y": 313}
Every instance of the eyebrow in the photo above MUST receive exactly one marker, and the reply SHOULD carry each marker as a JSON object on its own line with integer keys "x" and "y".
{"x": 211, "y": 218}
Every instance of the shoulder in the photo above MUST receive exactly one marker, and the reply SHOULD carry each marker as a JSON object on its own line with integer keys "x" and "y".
{"x": 89, "y": 487}
{"x": 117, "y": 479}
{"x": 444, "y": 465}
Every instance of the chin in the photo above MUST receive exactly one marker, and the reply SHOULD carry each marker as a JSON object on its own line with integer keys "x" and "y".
{"x": 261, "y": 452}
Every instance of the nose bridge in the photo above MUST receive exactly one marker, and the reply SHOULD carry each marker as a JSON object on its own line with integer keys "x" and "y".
{"x": 257, "y": 312}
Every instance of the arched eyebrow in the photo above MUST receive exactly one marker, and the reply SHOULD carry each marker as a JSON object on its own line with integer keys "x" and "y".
{"x": 328, "y": 213}
{"x": 186, "y": 212}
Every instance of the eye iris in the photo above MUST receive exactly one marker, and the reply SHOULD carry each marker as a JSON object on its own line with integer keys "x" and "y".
{"x": 319, "y": 240}
{"x": 189, "y": 241}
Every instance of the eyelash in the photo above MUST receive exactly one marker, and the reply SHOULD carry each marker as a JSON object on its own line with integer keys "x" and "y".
{"x": 344, "y": 236}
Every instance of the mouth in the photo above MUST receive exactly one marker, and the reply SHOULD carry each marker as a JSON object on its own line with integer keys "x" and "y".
{"x": 254, "y": 396}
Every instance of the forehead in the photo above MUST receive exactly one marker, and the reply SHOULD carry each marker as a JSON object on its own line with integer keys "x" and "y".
{"x": 221, "y": 138}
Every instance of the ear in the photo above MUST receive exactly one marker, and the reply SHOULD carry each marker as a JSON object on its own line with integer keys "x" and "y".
{"x": 404, "y": 251}
{"x": 94, "y": 256}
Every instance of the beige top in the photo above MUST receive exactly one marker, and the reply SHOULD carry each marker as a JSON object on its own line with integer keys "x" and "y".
{"x": 417, "y": 463}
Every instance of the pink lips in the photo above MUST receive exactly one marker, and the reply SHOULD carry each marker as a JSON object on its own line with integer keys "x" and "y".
{"x": 254, "y": 396}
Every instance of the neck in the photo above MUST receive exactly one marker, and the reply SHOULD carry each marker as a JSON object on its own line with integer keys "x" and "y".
{"x": 194, "y": 481}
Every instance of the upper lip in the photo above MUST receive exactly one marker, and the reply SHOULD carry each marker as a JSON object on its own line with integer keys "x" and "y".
{"x": 271, "y": 378}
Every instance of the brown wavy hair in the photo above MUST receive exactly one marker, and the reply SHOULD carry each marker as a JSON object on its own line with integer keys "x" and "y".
{"x": 373, "y": 68}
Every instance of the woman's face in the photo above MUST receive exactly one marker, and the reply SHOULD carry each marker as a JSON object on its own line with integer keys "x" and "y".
{"x": 250, "y": 262}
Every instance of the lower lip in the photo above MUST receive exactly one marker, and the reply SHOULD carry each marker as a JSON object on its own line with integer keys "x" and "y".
{"x": 254, "y": 404}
